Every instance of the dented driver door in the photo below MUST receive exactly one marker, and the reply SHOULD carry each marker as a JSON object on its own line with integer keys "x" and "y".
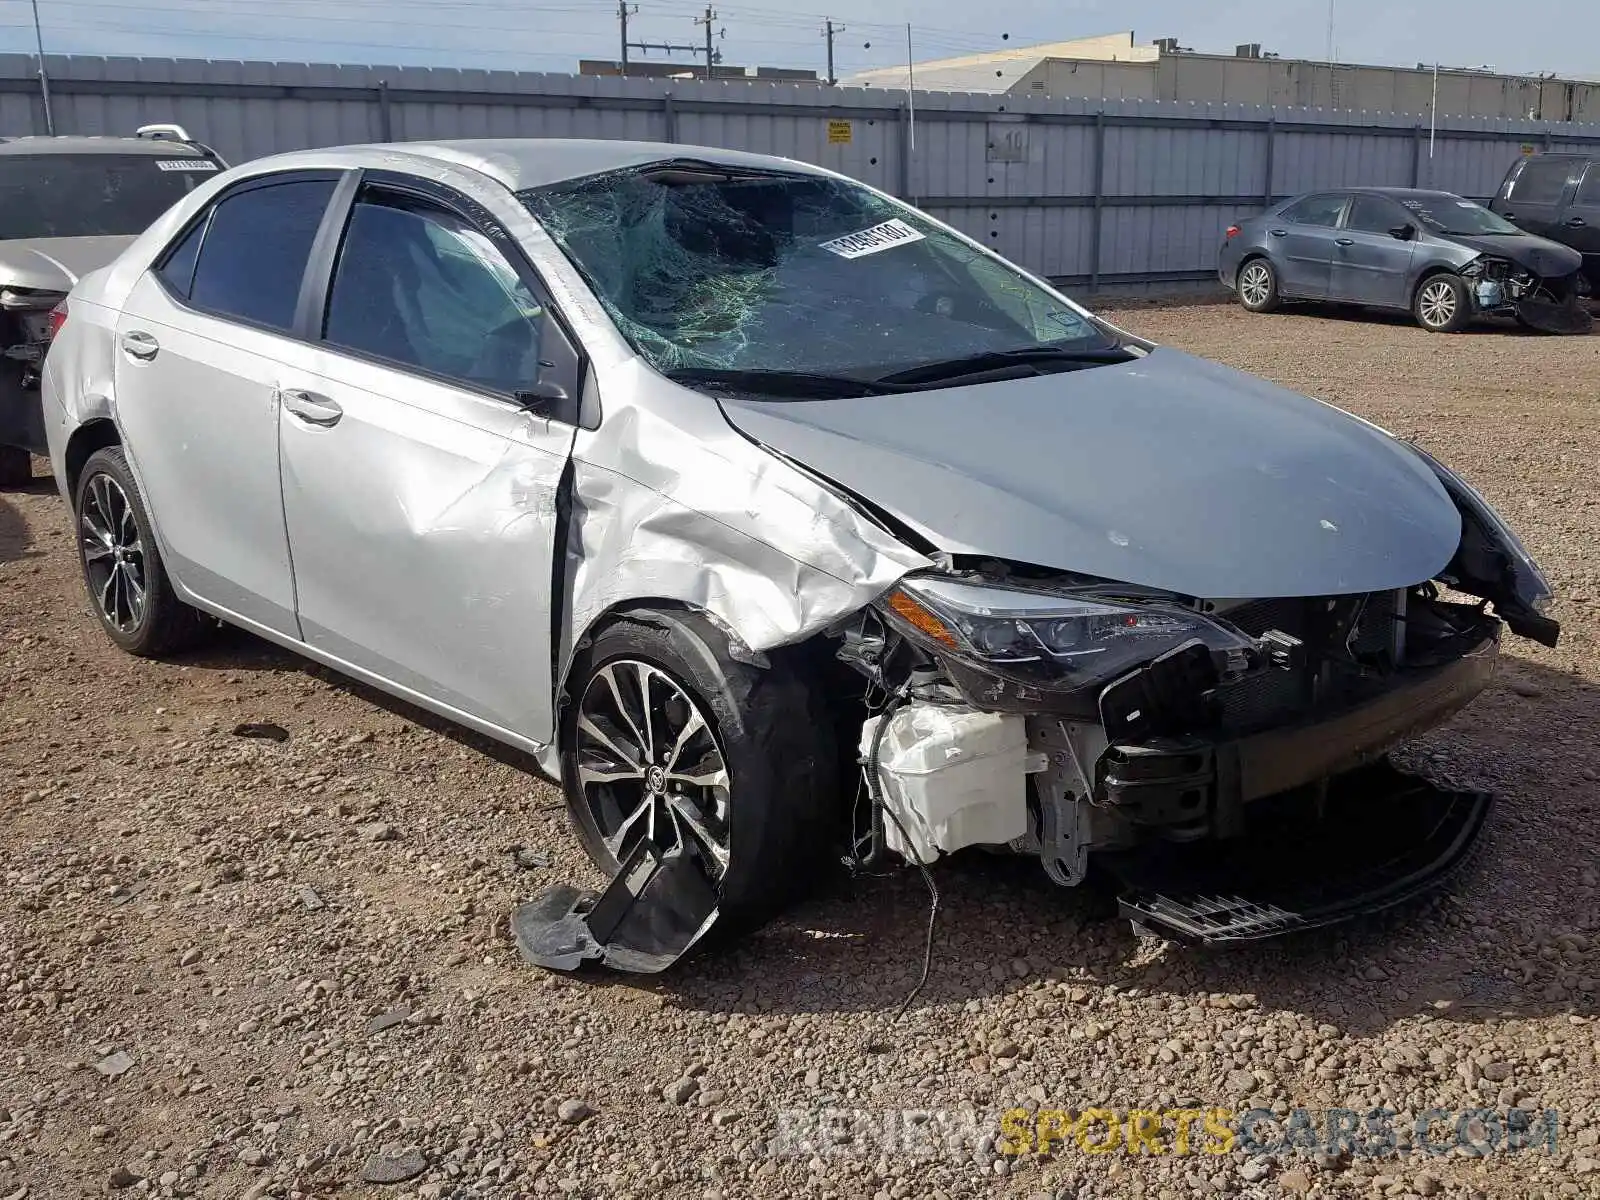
{"x": 420, "y": 472}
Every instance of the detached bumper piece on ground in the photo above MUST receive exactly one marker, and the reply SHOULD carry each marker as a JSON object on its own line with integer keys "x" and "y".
{"x": 652, "y": 913}
{"x": 1377, "y": 839}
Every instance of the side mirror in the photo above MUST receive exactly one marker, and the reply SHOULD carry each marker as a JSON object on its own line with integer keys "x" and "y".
{"x": 1404, "y": 232}
{"x": 545, "y": 398}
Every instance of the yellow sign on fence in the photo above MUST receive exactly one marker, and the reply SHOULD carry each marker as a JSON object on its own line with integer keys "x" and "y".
{"x": 839, "y": 133}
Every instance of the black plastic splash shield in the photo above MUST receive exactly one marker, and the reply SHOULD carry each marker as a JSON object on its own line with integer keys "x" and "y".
{"x": 650, "y": 915}
{"x": 1550, "y": 317}
{"x": 1378, "y": 838}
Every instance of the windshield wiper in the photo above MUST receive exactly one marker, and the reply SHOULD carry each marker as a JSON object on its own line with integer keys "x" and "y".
{"x": 999, "y": 360}
{"x": 800, "y": 385}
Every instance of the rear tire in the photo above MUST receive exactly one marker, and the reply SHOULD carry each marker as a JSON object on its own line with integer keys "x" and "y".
{"x": 16, "y": 467}
{"x": 1257, "y": 286}
{"x": 1442, "y": 304}
{"x": 122, "y": 570}
{"x": 758, "y": 821}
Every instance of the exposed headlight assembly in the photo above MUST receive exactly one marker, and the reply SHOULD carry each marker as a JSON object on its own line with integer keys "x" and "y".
{"x": 1048, "y": 640}
{"x": 1493, "y": 563}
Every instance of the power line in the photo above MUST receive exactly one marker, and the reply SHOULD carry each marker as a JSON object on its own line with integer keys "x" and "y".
{"x": 926, "y": 34}
{"x": 931, "y": 37}
{"x": 434, "y": 48}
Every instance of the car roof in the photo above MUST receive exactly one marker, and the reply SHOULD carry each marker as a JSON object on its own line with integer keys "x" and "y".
{"x": 521, "y": 163}
{"x": 155, "y": 147}
{"x": 1400, "y": 193}
{"x": 1392, "y": 193}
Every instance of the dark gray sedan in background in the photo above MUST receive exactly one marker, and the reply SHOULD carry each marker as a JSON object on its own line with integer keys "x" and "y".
{"x": 1441, "y": 257}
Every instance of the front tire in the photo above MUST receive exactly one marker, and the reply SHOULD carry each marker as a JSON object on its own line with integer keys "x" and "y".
{"x": 667, "y": 736}
{"x": 16, "y": 467}
{"x": 1442, "y": 304}
{"x": 1258, "y": 286}
{"x": 122, "y": 569}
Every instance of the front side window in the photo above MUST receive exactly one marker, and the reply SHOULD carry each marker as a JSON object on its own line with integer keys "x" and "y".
{"x": 90, "y": 195}
{"x": 710, "y": 268}
{"x": 418, "y": 286}
{"x": 1541, "y": 181}
{"x": 1444, "y": 213}
{"x": 1315, "y": 210}
{"x": 255, "y": 249}
{"x": 1372, "y": 214}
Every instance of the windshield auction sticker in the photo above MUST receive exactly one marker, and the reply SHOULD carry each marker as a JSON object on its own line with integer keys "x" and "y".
{"x": 870, "y": 241}
{"x": 185, "y": 164}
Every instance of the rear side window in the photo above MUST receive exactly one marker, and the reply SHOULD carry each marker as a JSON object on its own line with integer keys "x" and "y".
{"x": 177, "y": 272}
{"x": 255, "y": 251}
{"x": 1315, "y": 210}
{"x": 1541, "y": 182}
{"x": 1589, "y": 191}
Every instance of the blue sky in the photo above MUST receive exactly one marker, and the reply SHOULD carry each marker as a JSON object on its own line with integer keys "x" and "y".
{"x": 1531, "y": 36}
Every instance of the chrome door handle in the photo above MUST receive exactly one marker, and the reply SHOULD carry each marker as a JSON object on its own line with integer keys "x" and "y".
{"x": 1344, "y": 241}
{"x": 140, "y": 345}
{"x": 311, "y": 408}
{"x": 1576, "y": 222}
{"x": 1278, "y": 232}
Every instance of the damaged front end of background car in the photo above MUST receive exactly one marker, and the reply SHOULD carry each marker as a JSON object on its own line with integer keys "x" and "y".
{"x": 1549, "y": 303}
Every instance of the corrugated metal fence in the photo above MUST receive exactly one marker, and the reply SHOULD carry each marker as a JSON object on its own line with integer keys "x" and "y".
{"x": 1090, "y": 192}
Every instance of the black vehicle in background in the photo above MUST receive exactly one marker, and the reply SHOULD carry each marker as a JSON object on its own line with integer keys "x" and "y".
{"x": 69, "y": 205}
{"x": 1557, "y": 196}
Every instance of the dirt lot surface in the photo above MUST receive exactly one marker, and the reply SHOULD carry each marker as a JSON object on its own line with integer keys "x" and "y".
{"x": 197, "y": 930}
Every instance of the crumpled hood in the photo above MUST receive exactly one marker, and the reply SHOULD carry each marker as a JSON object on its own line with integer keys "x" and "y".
{"x": 55, "y": 264}
{"x": 1167, "y": 471}
{"x": 1543, "y": 257}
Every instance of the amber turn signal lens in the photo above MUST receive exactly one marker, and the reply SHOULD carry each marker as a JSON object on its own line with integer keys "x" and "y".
{"x": 921, "y": 619}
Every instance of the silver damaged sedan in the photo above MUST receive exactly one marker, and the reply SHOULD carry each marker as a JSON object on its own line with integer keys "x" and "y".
{"x": 774, "y": 518}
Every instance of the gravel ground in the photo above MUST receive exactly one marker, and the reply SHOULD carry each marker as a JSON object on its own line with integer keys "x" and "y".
{"x": 239, "y": 967}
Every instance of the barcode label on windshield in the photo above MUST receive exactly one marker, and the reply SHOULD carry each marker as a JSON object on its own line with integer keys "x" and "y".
{"x": 185, "y": 164}
{"x": 870, "y": 241}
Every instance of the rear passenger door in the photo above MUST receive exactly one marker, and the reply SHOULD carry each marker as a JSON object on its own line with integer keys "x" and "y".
{"x": 202, "y": 337}
{"x": 420, "y": 473}
{"x": 1370, "y": 264}
{"x": 1301, "y": 238}
{"x": 1581, "y": 224}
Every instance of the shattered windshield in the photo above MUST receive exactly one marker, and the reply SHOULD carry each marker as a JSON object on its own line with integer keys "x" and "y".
{"x": 703, "y": 267}
{"x": 1451, "y": 214}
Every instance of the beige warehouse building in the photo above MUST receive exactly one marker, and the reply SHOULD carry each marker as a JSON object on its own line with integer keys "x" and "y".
{"x": 1116, "y": 66}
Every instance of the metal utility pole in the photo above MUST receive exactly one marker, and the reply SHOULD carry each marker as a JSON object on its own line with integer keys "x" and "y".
{"x": 1330, "y": 30}
{"x": 624, "y": 11}
{"x": 1433, "y": 119}
{"x": 44, "y": 77}
{"x": 828, "y": 32}
{"x": 911, "y": 108}
{"x": 712, "y": 57}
